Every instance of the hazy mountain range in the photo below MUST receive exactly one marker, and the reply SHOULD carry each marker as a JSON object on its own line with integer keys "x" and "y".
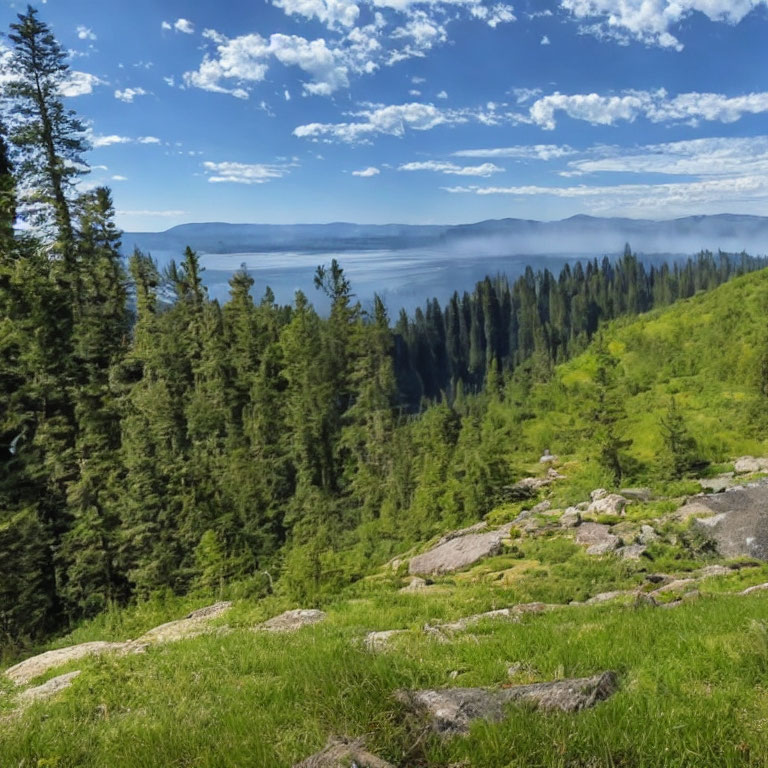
{"x": 408, "y": 263}
{"x": 585, "y": 234}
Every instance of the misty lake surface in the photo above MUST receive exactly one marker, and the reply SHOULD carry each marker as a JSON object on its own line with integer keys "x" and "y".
{"x": 403, "y": 278}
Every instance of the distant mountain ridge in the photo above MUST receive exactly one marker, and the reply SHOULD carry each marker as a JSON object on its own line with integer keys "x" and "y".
{"x": 581, "y": 233}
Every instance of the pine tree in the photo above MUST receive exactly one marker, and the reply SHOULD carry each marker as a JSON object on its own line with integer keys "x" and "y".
{"x": 49, "y": 139}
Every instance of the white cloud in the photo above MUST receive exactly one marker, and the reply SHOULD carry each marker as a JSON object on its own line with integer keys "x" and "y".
{"x": 545, "y": 41}
{"x": 184, "y": 25}
{"x": 710, "y": 157}
{"x": 414, "y": 92}
{"x": 170, "y": 81}
{"x": 392, "y": 120}
{"x": 656, "y": 106}
{"x": 165, "y": 25}
{"x": 80, "y": 84}
{"x": 442, "y": 95}
{"x": 129, "y": 94}
{"x": 651, "y": 21}
{"x": 99, "y": 141}
{"x": 418, "y": 80}
{"x": 244, "y": 60}
{"x": 715, "y": 195}
{"x": 367, "y": 172}
{"x": 523, "y": 152}
{"x": 486, "y": 169}
{"x": 332, "y": 13}
{"x": 85, "y": 33}
{"x": 245, "y": 173}
{"x": 117, "y": 177}
{"x": 501, "y": 13}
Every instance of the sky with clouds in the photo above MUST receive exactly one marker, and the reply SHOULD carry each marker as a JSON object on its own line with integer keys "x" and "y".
{"x": 431, "y": 111}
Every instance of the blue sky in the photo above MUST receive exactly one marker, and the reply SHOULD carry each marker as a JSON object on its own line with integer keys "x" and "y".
{"x": 446, "y": 111}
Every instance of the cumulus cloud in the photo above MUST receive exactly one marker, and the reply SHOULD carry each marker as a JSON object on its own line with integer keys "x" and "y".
{"x": 442, "y": 95}
{"x": 80, "y": 84}
{"x": 184, "y": 25}
{"x": 486, "y": 169}
{"x": 85, "y": 33}
{"x": 656, "y": 106}
{"x": 245, "y": 173}
{"x": 333, "y": 13}
{"x": 522, "y": 152}
{"x": 166, "y": 26}
{"x": 494, "y": 15}
{"x": 545, "y": 41}
{"x": 129, "y": 94}
{"x": 651, "y": 21}
{"x": 367, "y": 172}
{"x": 393, "y": 120}
{"x": 245, "y": 60}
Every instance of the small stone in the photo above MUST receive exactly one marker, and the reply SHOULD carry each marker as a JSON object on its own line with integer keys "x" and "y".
{"x": 632, "y": 552}
{"x": 647, "y": 535}
{"x": 379, "y": 641}
{"x": 636, "y": 494}
{"x": 343, "y": 754}
{"x": 605, "y": 597}
{"x": 570, "y": 518}
{"x": 547, "y": 458}
{"x": 541, "y": 507}
{"x": 417, "y": 584}
{"x": 611, "y": 504}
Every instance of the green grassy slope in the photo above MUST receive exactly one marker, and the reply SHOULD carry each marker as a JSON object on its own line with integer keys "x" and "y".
{"x": 693, "y": 680}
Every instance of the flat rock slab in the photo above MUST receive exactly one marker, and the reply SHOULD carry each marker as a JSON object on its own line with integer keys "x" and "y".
{"x": 47, "y": 689}
{"x": 451, "y": 710}
{"x": 290, "y": 621}
{"x": 459, "y": 552}
{"x": 192, "y": 625}
{"x": 35, "y": 666}
{"x": 737, "y": 521}
{"x": 339, "y": 754}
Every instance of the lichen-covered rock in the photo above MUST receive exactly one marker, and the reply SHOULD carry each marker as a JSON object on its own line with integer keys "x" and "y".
{"x": 35, "y": 666}
{"x": 631, "y": 551}
{"x": 605, "y": 597}
{"x": 610, "y": 504}
{"x": 717, "y": 484}
{"x": 451, "y": 710}
{"x": 343, "y": 754}
{"x": 570, "y": 518}
{"x": 736, "y": 521}
{"x": 647, "y": 535}
{"x": 756, "y": 588}
{"x": 460, "y": 552}
{"x": 290, "y": 621}
{"x": 636, "y": 494}
{"x": 597, "y": 538}
{"x": 47, "y": 689}
{"x": 193, "y": 624}
{"x": 749, "y": 464}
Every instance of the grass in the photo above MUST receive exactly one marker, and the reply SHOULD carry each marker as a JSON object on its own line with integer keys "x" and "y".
{"x": 692, "y": 691}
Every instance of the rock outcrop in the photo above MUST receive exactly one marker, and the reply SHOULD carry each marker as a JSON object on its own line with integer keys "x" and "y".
{"x": 736, "y": 521}
{"x": 749, "y": 464}
{"x": 597, "y": 538}
{"x": 35, "y": 666}
{"x": 457, "y": 552}
{"x": 451, "y": 710}
{"x": 604, "y": 503}
{"x": 290, "y": 621}
{"x": 47, "y": 689}
{"x": 192, "y": 625}
{"x": 379, "y": 641}
{"x": 343, "y": 754}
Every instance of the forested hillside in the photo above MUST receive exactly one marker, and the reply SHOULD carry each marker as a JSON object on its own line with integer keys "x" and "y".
{"x": 156, "y": 441}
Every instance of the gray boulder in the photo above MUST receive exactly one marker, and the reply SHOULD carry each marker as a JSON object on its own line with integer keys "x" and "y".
{"x": 451, "y": 710}
{"x": 749, "y": 464}
{"x": 343, "y": 754}
{"x": 379, "y": 641}
{"x": 631, "y": 551}
{"x": 717, "y": 484}
{"x": 459, "y": 552}
{"x": 597, "y": 538}
{"x": 647, "y": 535}
{"x": 736, "y": 521}
{"x": 636, "y": 494}
{"x": 290, "y": 621}
{"x": 570, "y": 518}
{"x": 607, "y": 504}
